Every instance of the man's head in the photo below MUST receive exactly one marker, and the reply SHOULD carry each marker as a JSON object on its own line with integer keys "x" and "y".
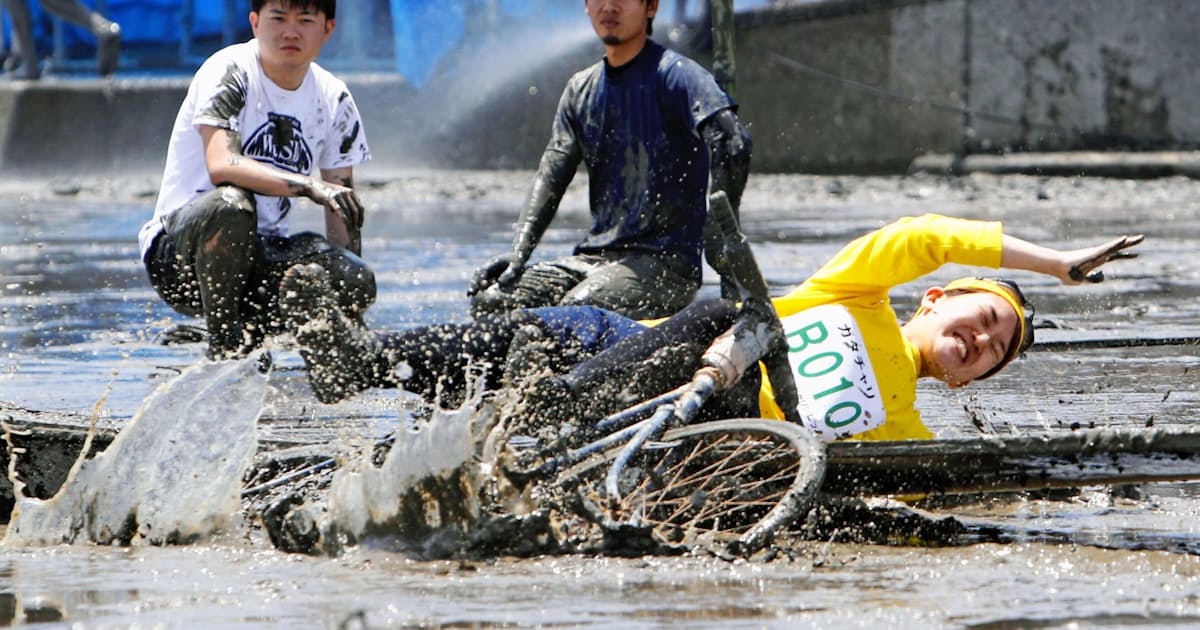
{"x": 328, "y": 7}
{"x": 290, "y": 36}
{"x": 620, "y": 21}
{"x": 970, "y": 329}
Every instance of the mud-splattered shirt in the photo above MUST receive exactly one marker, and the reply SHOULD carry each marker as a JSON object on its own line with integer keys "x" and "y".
{"x": 312, "y": 128}
{"x": 635, "y": 129}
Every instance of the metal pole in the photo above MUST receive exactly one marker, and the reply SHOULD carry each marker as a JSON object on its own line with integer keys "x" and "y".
{"x": 722, "y": 37}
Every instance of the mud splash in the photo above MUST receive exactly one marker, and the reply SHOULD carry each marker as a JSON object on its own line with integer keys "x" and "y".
{"x": 173, "y": 475}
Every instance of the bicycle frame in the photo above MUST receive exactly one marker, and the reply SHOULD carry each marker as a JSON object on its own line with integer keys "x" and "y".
{"x": 755, "y": 334}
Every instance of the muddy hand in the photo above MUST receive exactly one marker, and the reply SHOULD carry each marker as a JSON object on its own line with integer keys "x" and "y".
{"x": 503, "y": 269}
{"x": 1085, "y": 270}
{"x": 348, "y": 206}
{"x": 340, "y": 199}
{"x": 512, "y": 273}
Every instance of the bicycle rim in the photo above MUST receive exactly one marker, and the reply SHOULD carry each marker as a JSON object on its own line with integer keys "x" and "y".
{"x": 730, "y": 481}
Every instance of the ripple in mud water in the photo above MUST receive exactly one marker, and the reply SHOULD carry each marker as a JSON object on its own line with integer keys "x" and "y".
{"x": 76, "y": 314}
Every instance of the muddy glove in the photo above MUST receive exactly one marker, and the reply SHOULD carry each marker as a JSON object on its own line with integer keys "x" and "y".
{"x": 504, "y": 269}
{"x": 341, "y": 200}
{"x": 1086, "y": 269}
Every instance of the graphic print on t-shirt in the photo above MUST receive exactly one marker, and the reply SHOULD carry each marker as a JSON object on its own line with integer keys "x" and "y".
{"x": 280, "y": 142}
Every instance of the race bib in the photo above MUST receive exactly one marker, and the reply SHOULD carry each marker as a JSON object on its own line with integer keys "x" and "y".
{"x": 839, "y": 394}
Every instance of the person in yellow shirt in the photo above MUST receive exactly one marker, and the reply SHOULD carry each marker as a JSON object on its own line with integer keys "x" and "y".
{"x": 855, "y": 365}
{"x": 968, "y": 330}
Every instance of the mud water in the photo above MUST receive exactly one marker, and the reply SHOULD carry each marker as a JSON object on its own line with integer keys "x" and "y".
{"x": 78, "y": 318}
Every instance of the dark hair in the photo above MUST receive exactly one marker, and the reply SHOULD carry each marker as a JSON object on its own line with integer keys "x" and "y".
{"x": 328, "y": 7}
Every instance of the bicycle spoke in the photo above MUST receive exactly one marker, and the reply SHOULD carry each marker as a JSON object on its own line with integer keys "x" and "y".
{"x": 731, "y": 481}
{"x": 728, "y": 498}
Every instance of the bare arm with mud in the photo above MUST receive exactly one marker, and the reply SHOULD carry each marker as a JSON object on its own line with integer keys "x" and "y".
{"x": 1073, "y": 266}
{"x": 341, "y": 231}
{"x": 227, "y": 165}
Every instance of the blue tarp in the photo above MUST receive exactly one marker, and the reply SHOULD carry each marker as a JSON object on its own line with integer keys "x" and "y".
{"x": 152, "y": 22}
{"x": 425, "y": 30}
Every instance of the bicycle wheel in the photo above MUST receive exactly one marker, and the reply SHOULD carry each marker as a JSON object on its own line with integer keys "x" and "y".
{"x": 729, "y": 481}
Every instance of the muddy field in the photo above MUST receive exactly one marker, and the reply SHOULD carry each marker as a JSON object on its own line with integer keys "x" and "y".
{"x": 78, "y": 324}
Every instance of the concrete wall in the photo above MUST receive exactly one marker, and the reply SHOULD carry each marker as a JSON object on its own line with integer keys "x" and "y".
{"x": 832, "y": 93}
{"x": 1090, "y": 74}
{"x": 836, "y": 86}
{"x": 868, "y": 85}
{"x": 54, "y": 128}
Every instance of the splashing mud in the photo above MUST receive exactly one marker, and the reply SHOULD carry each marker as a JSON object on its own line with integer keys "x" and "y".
{"x": 172, "y": 475}
{"x": 434, "y": 490}
{"x": 75, "y": 307}
{"x": 428, "y": 484}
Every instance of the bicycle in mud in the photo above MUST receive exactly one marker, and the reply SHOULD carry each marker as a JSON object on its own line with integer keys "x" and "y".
{"x": 732, "y": 482}
{"x": 651, "y": 468}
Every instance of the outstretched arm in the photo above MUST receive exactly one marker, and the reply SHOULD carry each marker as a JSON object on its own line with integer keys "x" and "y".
{"x": 1072, "y": 266}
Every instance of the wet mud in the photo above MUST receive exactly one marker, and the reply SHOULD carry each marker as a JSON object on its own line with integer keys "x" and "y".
{"x": 77, "y": 315}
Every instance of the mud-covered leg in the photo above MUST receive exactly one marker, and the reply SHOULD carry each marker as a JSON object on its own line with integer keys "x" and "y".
{"x": 22, "y": 62}
{"x": 203, "y": 262}
{"x": 224, "y": 260}
{"x": 651, "y": 362}
{"x": 107, "y": 32}
{"x": 343, "y": 358}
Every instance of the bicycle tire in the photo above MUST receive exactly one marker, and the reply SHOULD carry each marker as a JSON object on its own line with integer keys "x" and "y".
{"x": 734, "y": 482}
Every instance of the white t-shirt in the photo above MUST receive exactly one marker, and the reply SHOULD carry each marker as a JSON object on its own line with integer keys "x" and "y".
{"x": 303, "y": 131}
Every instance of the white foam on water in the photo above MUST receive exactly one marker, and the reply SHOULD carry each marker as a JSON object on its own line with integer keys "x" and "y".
{"x": 173, "y": 474}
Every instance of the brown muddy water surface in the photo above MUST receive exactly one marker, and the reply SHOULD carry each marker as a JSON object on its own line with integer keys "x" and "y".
{"x": 77, "y": 318}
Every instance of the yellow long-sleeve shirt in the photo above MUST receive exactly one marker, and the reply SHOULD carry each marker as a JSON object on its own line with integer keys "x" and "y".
{"x": 859, "y": 278}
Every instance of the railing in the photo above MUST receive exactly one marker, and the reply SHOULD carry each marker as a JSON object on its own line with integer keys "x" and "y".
{"x": 354, "y": 47}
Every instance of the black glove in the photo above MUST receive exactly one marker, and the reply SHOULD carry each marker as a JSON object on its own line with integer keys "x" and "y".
{"x": 505, "y": 268}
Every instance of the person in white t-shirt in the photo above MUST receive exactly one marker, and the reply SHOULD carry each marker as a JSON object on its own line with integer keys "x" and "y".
{"x": 262, "y": 124}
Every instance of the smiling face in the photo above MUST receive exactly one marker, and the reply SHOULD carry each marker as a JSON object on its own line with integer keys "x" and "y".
{"x": 289, "y": 39}
{"x": 961, "y": 336}
{"x": 621, "y": 22}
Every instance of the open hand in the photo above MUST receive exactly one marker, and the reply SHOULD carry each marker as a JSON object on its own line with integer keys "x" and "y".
{"x": 1082, "y": 264}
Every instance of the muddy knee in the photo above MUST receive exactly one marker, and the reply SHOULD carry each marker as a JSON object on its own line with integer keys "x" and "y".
{"x": 217, "y": 220}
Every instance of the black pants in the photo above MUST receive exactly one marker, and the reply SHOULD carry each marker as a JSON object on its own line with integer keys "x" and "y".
{"x": 635, "y": 284}
{"x": 433, "y": 360}
{"x": 210, "y": 262}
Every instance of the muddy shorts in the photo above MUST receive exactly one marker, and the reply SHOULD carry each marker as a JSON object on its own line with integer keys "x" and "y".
{"x": 623, "y": 361}
{"x": 586, "y": 328}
